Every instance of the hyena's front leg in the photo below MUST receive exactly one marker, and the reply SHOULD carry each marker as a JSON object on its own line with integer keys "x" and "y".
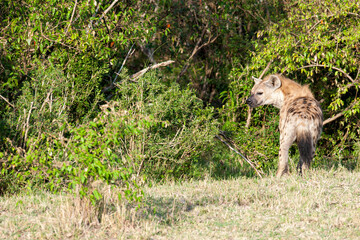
{"x": 287, "y": 137}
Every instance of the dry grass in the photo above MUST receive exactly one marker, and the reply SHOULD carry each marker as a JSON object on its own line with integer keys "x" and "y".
{"x": 322, "y": 205}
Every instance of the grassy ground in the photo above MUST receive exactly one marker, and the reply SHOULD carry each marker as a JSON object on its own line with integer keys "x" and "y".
{"x": 322, "y": 205}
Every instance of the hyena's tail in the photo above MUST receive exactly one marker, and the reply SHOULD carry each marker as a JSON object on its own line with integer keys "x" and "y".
{"x": 306, "y": 149}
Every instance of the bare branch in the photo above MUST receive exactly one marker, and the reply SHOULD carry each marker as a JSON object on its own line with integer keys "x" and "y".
{"x": 335, "y": 68}
{"x": 135, "y": 76}
{"x": 237, "y": 152}
{"x": 90, "y": 23}
{"x": 354, "y": 14}
{"x": 63, "y": 107}
{"x": 357, "y": 75}
{"x": 266, "y": 69}
{"x": 47, "y": 99}
{"x": 65, "y": 45}
{"x": 130, "y": 52}
{"x": 142, "y": 72}
{"x": 255, "y": 17}
{"x": 196, "y": 49}
{"x": 309, "y": 30}
{"x": 198, "y": 42}
{"x": 27, "y": 125}
{"x": 106, "y": 11}
{"x": 354, "y": 82}
{"x": 339, "y": 114}
{"x": 248, "y": 119}
{"x": 7, "y": 101}
{"x": 72, "y": 16}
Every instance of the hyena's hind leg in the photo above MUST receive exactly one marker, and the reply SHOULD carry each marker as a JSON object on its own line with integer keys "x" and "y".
{"x": 306, "y": 145}
{"x": 287, "y": 138}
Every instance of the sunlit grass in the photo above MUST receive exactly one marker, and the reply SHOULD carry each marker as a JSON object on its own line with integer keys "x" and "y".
{"x": 322, "y": 205}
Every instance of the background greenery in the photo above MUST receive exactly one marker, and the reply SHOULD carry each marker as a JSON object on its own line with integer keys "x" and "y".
{"x": 72, "y": 111}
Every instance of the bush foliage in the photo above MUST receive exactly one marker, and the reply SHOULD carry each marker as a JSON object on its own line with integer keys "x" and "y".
{"x": 76, "y": 108}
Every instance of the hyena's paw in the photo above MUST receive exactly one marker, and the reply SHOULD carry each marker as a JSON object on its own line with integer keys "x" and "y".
{"x": 305, "y": 170}
{"x": 282, "y": 172}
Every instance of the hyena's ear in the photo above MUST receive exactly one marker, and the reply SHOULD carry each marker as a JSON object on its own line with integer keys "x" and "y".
{"x": 273, "y": 82}
{"x": 256, "y": 80}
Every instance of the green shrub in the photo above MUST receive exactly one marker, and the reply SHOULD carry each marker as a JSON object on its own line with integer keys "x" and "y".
{"x": 173, "y": 129}
{"x": 150, "y": 130}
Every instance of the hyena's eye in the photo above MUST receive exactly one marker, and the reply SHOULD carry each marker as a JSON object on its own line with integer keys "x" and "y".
{"x": 259, "y": 93}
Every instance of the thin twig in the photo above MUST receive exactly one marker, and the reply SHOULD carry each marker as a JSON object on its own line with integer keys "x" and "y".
{"x": 308, "y": 31}
{"x": 70, "y": 60}
{"x": 266, "y": 69}
{"x": 339, "y": 114}
{"x": 90, "y": 23}
{"x": 47, "y": 99}
{"x": 7, "y": 101}
{"x": 105, "y": 12}
{"x": 237, "y": 152}
{"x": 335, "y": 68}
{"x": 27, "y": 123}
{"x": 196, "y": 49}
{"x": 255, "y": 17}
{"x": 248, "y": 119}
{"x": 65, "y": 45}
{"x": 3, "y": 29}
{"x": 63, "y": 107}
{"x": 357, "y": 75}
{"x": 72, "y": 16}
{"x": 354, "y": 82}
{"x": 135, "y": 76}
{"x": 354, "y": 14}
{"x": 130, "y": 52}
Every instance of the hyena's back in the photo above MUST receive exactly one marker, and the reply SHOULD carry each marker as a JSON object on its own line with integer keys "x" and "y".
{"x": 302, "y": 118}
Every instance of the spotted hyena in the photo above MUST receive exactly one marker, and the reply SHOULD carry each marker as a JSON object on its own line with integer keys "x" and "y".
{"x": 301, "y": 118}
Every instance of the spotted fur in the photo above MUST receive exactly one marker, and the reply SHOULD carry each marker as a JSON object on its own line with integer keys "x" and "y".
{"x": 301, "y": 117}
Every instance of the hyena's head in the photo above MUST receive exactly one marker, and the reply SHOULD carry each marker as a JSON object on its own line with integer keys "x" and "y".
{"x": 265, "y": 92}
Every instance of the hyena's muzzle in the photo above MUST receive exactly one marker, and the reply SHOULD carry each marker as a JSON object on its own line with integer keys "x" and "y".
{"x": 252, "y": 101}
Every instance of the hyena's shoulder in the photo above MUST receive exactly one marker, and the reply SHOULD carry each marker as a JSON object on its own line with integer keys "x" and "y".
{"x": 300, "y": 104}
{"x": 299, "y": 100}
{"x": 292, "y": 89}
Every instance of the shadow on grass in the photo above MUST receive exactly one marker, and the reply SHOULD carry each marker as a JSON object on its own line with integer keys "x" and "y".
{"x": 170, "y": 210}
{"x": 166, "y": 210}
{"x": 226, "y": 165}
{"x": 327, "y": 163}
{"x": 222, "y": 163}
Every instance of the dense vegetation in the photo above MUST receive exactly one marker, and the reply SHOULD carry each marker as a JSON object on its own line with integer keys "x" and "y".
{"x": 88, "y": 92}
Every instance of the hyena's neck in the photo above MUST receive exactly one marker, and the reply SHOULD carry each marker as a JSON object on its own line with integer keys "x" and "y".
{"x": 278, "y": 99}
{"x": 290, "y": 90}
